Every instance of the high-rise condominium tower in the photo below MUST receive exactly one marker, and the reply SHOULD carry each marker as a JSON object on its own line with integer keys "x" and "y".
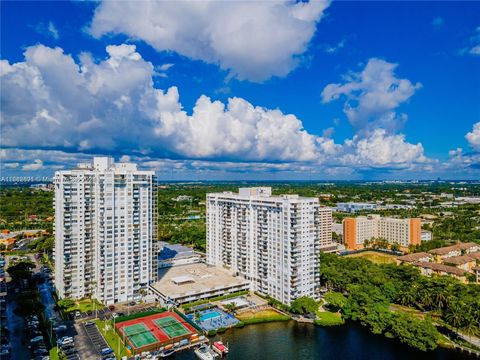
{"x": 105, "y": 221}
{"x": 273, "y": 241}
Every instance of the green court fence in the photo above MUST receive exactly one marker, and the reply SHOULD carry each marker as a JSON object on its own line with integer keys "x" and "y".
{"x": 138, "y": 315}
{"x": 187, "y": 320}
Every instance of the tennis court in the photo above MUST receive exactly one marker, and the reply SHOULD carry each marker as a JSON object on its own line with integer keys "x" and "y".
{"x": 151, "y": 331}
{"x": 171, "y": 326}
{"x": 139, "y": 335}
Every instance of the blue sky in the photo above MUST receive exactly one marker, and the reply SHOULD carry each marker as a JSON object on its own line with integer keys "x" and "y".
{"x": 341, "y": 90}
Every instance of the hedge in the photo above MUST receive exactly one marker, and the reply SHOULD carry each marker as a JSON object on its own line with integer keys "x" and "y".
{"x": 138, "y": 315}
{"x": 192, "y": 323}
{"x": 274, "y": 302}
{"x": 187, "y": 306}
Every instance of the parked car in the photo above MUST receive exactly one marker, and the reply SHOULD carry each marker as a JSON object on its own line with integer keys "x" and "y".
{"x": 65, "y": 340}
{"x": 67, "y": 347}
{"x": 106, "y": 351}
{"x": 36, "y": 339}
{"x": 89, "y": 323}
{"x": 40, "y": 352}
{"x": 60, "y": 328}
{"x": 70, "y": 351}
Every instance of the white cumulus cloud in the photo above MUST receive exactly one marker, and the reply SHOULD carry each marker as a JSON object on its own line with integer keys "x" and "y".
{"x": 473, "y": 137}
{"x": 372, "y": 96}
{"x": 253, "y": 40}
{"x": 381, "y": 149}
{"x": 113, "y": 106}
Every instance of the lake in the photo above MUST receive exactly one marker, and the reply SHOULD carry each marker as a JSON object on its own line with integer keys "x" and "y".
{"x": 293, "y": 341}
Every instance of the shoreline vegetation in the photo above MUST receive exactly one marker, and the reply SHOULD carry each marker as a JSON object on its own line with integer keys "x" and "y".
{"x": 328, "y": 318}
{"x": 398, "y": 302}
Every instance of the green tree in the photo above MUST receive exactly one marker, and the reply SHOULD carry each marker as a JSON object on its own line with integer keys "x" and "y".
{"x": 335, "y": 300}
{"x": 65, "y": 303}
{"x": 231, "y": 307}
{"x": 304, "y": 305}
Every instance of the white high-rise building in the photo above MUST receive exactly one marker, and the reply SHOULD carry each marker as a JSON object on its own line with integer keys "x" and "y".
{"x": 105, "y": 221}
{"x": 273, "y": 241}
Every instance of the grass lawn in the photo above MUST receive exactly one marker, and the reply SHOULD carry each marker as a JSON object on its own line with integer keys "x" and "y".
{"x": 86, "y": 305}
{"x": 328, "y": 318}
{"x": 112, "y": 339}
{"x": 375, "y": 257}
{"x": 268, "y": 315}
{"x": 408, "y": 310}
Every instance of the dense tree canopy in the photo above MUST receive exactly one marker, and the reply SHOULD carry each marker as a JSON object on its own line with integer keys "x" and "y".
{"x": 371, "y": 289}
{"x": 304, "y": 305}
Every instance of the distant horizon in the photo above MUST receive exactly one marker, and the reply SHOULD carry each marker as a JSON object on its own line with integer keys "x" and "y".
{"x": 3, "y": 182}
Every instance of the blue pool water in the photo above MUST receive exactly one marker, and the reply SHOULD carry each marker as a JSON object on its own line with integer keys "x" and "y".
{"x": 209, "y": 315}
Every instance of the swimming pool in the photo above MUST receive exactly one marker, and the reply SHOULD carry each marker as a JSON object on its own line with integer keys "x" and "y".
{"x": 209, "y": 315}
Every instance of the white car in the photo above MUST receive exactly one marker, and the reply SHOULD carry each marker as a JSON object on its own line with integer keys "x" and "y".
{"x": 65, "y": 340}
{"x": 36, "y": 339}
{"x": 60, "y": 328}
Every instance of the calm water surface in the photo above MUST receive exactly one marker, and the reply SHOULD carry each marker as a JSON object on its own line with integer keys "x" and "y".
{"x": 278, "y": 341}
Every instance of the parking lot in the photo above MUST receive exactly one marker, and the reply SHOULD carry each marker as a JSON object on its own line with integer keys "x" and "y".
{"x": 88, "y": 343}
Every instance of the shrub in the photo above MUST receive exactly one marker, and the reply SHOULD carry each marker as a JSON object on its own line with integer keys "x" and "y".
{"x": 138, "y": 315}
{"x": 304, "y": 305}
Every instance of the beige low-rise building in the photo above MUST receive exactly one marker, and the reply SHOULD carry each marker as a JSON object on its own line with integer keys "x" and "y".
{"x": 414, "y": 258}
{"x": 476, "y": 271}
{"x": 464, "y": 262}
{"x": 430, "y": 268}
{"x": 457, "y": 260}
{"x": 443, "y": 253}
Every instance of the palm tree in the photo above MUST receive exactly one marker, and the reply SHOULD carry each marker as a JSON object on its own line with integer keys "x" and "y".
{"x": 455, "y": 315}
{"x": 406, "y": 298}
{"x": 440, "y": 299}
{"x": 470, "y": 328}
{"x": 426, "y": 299}
{"x": 231, "y": 307}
